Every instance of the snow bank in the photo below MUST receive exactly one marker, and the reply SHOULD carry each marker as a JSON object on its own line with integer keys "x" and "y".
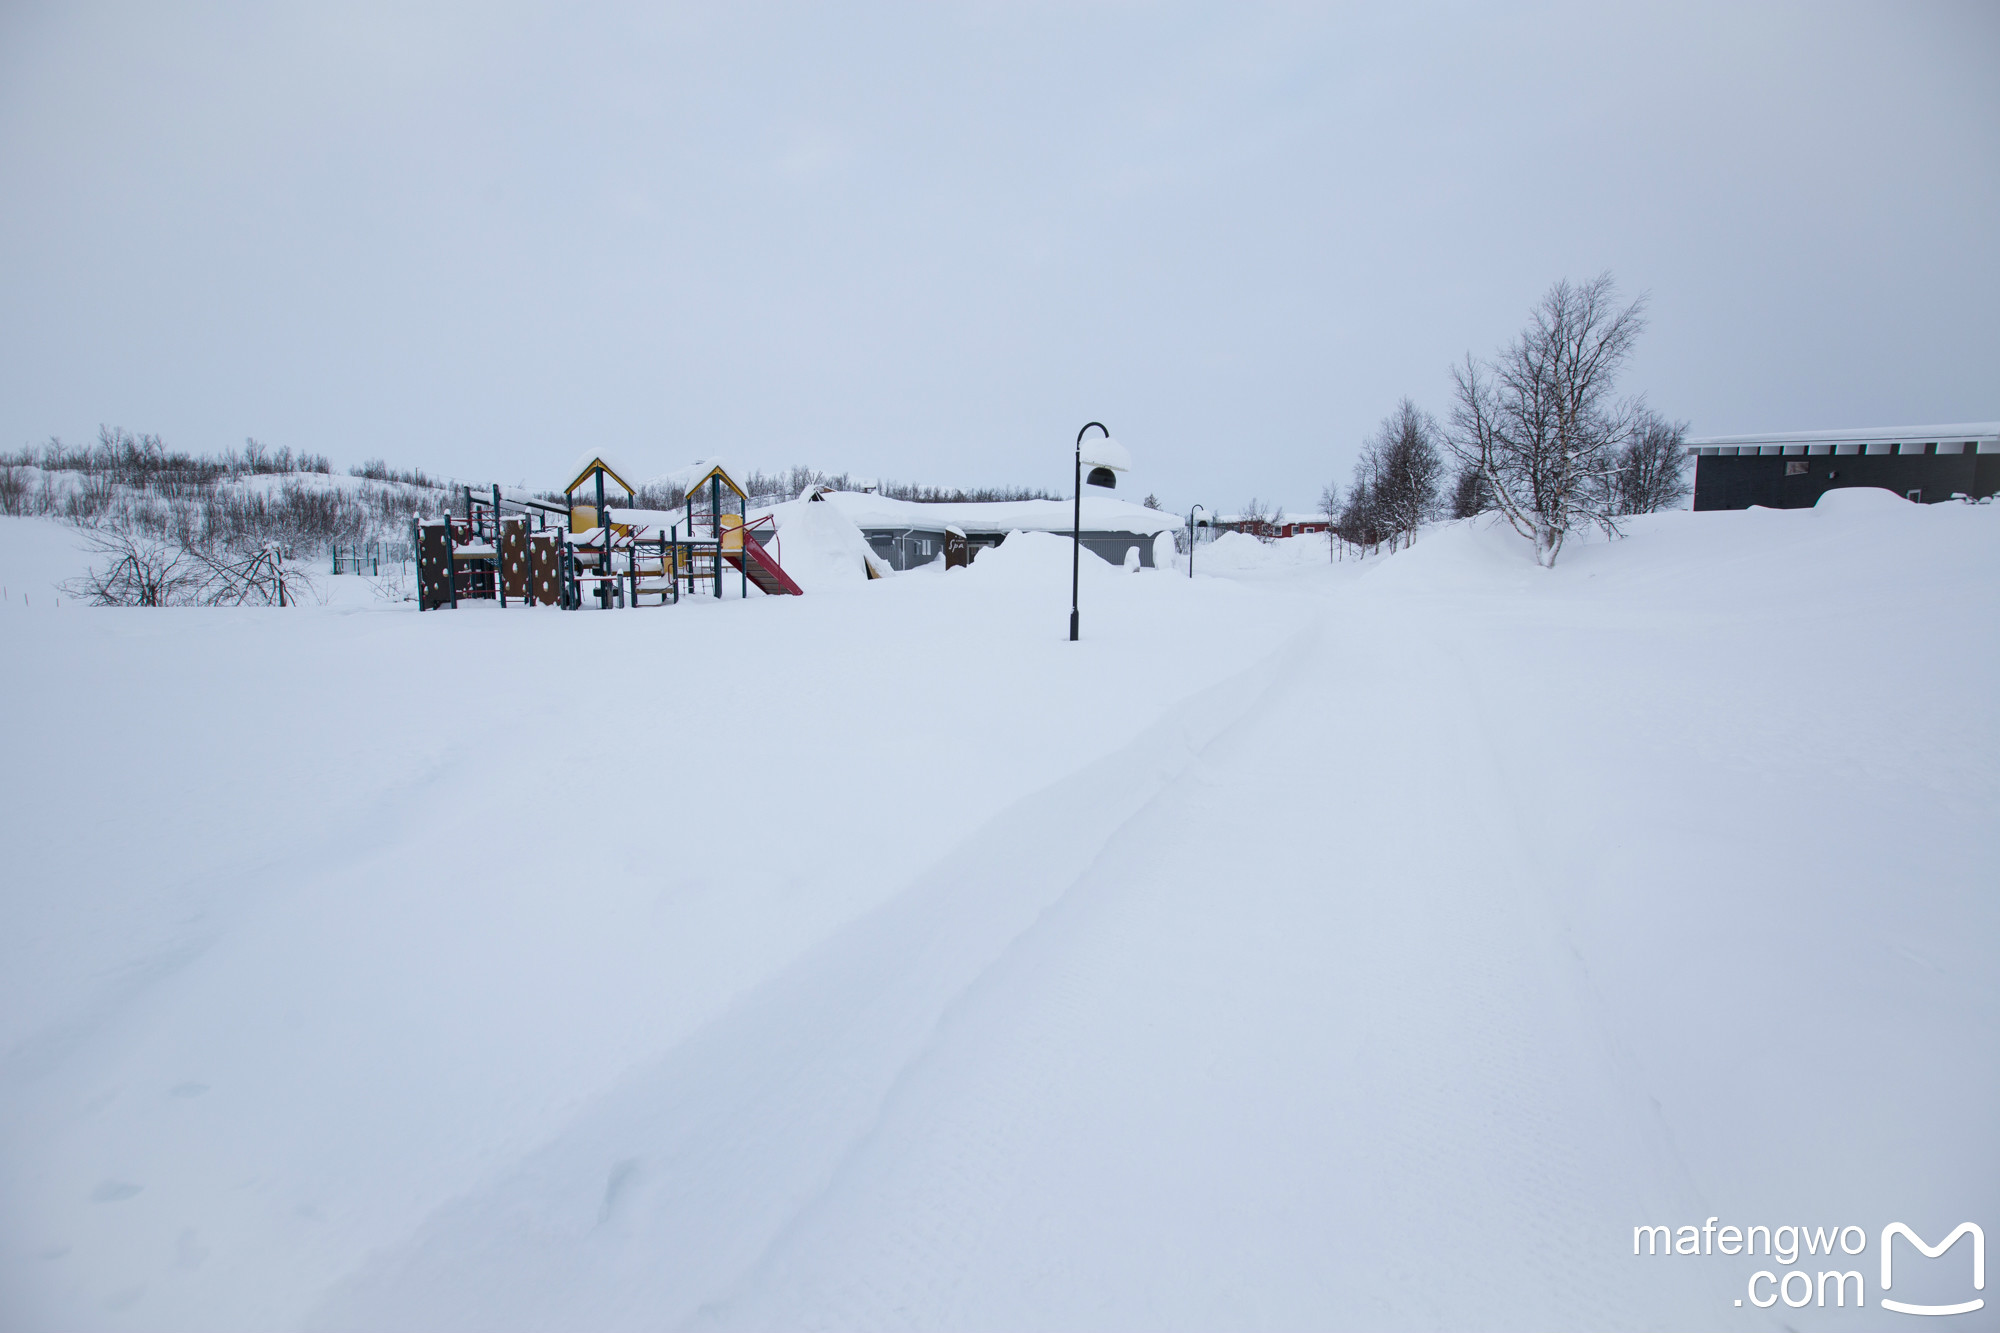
{"x": 1369, "y": 947}
{"x": 1860, "y": 500}
{"x": 820, "y": 548}
{"x": 1025, "y": 560}
{"x": 1240, "y": 553}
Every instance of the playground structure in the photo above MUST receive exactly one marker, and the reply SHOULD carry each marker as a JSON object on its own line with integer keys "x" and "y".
{"x": 566, "y": 555}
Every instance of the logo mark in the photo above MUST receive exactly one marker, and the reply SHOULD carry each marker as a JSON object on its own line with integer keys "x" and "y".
{"x": 1895, "y": 1229}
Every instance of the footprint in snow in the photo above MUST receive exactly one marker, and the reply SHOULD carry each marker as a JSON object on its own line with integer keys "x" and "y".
{"x": 112, "y": 1191}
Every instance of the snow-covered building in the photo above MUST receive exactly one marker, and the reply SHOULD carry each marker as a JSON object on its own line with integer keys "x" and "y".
{"x": 907, "y": 534}
{"x": 1791, "y": 471}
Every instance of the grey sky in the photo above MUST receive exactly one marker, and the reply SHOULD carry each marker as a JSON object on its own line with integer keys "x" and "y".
{"x": 929, "y": 242}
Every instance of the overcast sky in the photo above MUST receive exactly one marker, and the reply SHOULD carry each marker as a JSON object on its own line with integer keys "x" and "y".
{"x": 929, "y": 242}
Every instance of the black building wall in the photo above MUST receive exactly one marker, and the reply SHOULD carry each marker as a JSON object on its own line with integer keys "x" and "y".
{"x": 1796, "y": 482}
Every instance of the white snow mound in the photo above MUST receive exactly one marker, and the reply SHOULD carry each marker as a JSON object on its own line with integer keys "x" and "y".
{"x": 1860, "y": 500}
{"x": 819, "y": 546}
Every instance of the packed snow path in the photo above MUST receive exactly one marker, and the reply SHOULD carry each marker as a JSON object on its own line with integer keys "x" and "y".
{"x": 1480, "y": 915}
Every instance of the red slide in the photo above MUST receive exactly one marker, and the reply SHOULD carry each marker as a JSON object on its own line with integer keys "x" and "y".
{"x": 764, "y": 571}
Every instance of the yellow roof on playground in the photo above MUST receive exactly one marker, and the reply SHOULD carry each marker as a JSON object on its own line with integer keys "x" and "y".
{"x": 591, "y": 465}
{"x": 716, "y": 471}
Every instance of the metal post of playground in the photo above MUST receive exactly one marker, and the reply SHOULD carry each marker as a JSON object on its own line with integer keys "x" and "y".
{"x": 499, "y": 574}
{"x": 1192, "y": 533}
{"x": 603, "y": 561}
{"x": 715, "y": 527}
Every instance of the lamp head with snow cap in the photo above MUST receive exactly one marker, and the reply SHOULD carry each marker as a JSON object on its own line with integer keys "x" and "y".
{"x": 1104, "y": 458}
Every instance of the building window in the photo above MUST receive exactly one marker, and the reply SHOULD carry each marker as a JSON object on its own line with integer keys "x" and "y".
{"x": 1918, "y": 496}
{"x": 1795, "y": 469}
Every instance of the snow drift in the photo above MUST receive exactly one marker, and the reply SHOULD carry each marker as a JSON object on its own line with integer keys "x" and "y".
{"x": 1373, "y": 946}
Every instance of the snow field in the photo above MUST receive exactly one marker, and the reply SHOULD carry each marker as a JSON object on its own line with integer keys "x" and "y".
{"x": 1368, "y": 947}
{"x": 388, "y": 897}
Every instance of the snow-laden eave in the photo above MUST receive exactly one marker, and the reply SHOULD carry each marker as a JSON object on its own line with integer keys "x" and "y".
{"x": 1962, "y": 432}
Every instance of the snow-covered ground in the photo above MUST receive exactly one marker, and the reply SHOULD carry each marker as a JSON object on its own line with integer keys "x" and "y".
{"x": 1314, "y": 945}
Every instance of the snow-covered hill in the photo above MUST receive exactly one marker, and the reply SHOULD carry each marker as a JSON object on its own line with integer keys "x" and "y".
{"x": 1352, "y": 945}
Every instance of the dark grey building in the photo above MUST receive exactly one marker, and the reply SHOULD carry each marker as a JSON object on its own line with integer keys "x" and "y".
{"x": 1791, "y": 471}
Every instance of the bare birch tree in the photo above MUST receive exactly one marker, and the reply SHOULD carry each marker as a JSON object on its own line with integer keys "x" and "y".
{"x": 1539, "y": 421}
{"x": 1652, "y": 467}
{"x": 1329, "y": 508}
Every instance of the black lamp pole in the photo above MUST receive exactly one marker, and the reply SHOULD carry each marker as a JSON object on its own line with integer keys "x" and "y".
{"x": 1192, "y": 534}
{"x": 1076, "y": 525}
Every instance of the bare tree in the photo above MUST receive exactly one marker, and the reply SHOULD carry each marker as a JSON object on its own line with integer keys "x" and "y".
{"x": 1539, "y": 422}
{"x": 139, "y": 570}
{"x": 1652, "y": 467}
{"x": 1329, "y": 508}
{"x": 1470, "y": 495}
{"x": 145, "y": 568}
{"x": 1407, "y": 469}
{"x": 1361, "y": 523}
{"x": 258, "y": 578}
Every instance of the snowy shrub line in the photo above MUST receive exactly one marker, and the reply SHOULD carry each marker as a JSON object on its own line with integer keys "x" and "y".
{"x": 769, "y": 488}
{"x": 175, "y": 528}
{"x": 121, "y": 458}
{"x": 134, "y": 482}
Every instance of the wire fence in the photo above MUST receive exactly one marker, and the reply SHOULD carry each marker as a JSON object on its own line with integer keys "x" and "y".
{"x": 371, "y": 557}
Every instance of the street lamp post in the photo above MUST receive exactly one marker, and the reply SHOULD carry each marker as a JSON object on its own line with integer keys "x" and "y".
{"x": 1193, "y": 533}
{"x": 1107, "y": 459}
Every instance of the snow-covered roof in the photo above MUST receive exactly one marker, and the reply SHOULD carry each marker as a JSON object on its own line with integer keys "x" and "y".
{"x": 1984, "y": 432}
{"x": 589, "y": 460}
{"x": 681, "y": 478}
{"x": 1100, "y": 514}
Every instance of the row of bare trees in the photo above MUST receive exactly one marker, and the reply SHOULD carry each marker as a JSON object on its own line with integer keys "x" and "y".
{"x": 1395, "y": 486}
{"x": 1537, "y": 432}
{"x": 140, "y": 461}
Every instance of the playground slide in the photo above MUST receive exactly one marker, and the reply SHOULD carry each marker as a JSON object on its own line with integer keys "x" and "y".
{"x": 762, "y": 568}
